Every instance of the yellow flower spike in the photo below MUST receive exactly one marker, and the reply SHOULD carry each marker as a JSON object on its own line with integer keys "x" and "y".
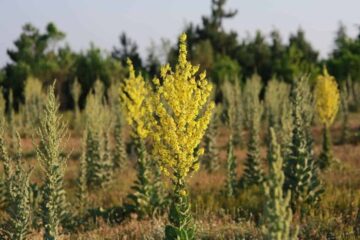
{"x": 182, "y": 111}
{"x": 327, "y": 98}
{"x": 134, "y": 94}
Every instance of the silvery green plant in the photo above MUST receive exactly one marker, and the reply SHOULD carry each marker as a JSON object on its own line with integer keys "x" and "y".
{"x": 98, "y": 160}
{"x": 253, "y": 173}
{"x": 277, "y": 217}
{"x": 301, "y": 172}
{"x": 51, "y": 134}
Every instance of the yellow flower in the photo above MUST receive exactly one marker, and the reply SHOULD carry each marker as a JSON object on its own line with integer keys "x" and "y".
{"x": 134, "y": 95}
{"x": 182, "y": 112}
{"x": 327, "y": 98}
{"x": 183, "y": 192}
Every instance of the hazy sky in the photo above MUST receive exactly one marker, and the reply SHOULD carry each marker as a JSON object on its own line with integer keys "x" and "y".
{"x": 101, "y": 21}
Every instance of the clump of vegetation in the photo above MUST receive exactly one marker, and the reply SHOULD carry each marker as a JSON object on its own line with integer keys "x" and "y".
{"x": 135, "y": 97}
{"x": 210, "y": 160}
{"x": 301, "y": 175}
{"x": 98, "y": 160}
{"x": 75, "y": 93}
{"x": 182, "y": 113}
{"x": 51, "y": 133}
{"x": 253, "y": 173}
{"x": 277, "y": 219}
{"x": 231, "y": 165}
{"x": 344, "y": 104}
{"x": 327, "y": 104}
{"x": 34, "y": 103}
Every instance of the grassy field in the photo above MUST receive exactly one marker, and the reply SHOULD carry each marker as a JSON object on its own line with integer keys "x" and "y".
{"x": 216, "y": 216}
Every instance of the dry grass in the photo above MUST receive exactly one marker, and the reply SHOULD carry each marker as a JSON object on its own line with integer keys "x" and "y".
{"x": 216, "y": 216}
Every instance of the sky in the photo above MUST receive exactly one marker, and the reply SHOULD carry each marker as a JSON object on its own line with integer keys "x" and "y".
{"x": 102, "y": 21}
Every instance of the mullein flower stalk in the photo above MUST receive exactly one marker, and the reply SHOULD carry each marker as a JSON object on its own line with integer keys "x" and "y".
{"x": 182, "y": 112}
{"x": 327, "y": 99}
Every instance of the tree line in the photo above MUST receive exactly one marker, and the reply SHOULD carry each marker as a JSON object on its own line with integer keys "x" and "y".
{"x": 225, "y": 56}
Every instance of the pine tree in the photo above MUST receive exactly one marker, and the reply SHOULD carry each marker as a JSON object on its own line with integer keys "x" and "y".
{"x": 277, "y": 216}
{"x": 49, "y": 154}
{"x": 301, "y": 174}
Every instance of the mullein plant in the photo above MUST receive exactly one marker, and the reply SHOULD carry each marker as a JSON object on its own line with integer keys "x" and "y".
{"x": 75, "y": 93}
{"x": 210, "y": 160}
{"x": 276, "y": 93}
{"x": 20, "y": 198}
{"x": 82, "y": 180}
{"x": 233, "y": 110}
{"x": 301, "y": 173}
{"x": 327, "y": 104}
{"x": 119, "y": 151}
{"x": 182, "y": 112}
{"x": 51, "y": 133}
{"x": 10, "y": 117}
{"x": 344, "y": 100}
{"x": 99, "y": 165}
{"x": 230, "y": 96}
{"x": 135, "y": 96}
{"x": 16, "y": 191}
{"x": 277, "y": 217}
{"x": 238, "y": 120}
{"x": 253, "y": 173}
{"x": 277, "y": 111}
{"x": 231, "y": 166}
{"x": 34, "y": 103}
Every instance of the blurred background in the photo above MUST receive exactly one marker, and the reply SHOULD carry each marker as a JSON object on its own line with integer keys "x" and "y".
{"x": 231, "y": 40}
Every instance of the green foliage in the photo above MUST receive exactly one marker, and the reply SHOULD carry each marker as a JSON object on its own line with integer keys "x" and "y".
{"x": 233, "y": 109}
{"x": 82, "y": 180}
{"x": 276, "y": 94}
{"x": 253, "y": 173}
{"x": 142, "y": 199}
{"x": 231, "y": 179}
{"x": 119, "y": 152}
{"x": 7, "y": 170}
{"x": 34, "y": 54}
{"x": 34, "y": 104}
{"x": 344, "y": 100}
{"x": 326, "y": 157}
{"x": 301, "y": 177}
{"x": 75, "y": 92}
{"x": 49, "y": 154}
{"x": 15, "y": 191}
{"x": 225, "y": 69}
{"x": 2, "y": 102}
{"x": 99, "y": 164}
{"x": 210, "y": 159}
{"x": 277, "y": 212}
{"x": 20, "y": 196}
{"x": 181, "y": 224}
